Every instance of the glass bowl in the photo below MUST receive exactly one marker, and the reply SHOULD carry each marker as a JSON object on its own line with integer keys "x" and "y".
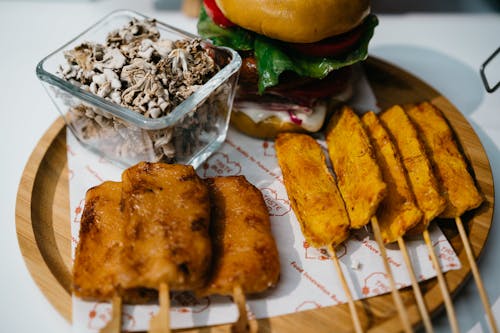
{"x": 192, "y": 131}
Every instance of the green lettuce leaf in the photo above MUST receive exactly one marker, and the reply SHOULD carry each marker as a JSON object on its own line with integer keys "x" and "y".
{"x": 234, "y": 37}
{"x": 273, "y": 58}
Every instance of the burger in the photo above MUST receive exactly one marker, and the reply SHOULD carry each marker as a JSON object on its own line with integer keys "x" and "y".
{"x": 297, "y": 57}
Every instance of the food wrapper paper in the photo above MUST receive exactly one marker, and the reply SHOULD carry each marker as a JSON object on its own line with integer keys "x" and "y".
{"x": 308, "y": 277}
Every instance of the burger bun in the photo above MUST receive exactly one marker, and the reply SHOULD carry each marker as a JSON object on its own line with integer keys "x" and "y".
{"x": 296, "y": 21}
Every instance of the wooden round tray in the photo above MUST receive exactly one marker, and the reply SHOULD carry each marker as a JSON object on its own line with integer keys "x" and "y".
{"x": 43, "y": 220}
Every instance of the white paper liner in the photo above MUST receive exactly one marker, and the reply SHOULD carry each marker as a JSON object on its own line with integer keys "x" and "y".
{"x": 308, "y": 278}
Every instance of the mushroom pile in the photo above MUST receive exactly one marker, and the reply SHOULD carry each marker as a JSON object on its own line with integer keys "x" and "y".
{"x": 137, "y": 69}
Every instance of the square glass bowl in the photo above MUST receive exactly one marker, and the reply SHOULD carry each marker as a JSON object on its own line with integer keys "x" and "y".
{"x": 188, "y": 134}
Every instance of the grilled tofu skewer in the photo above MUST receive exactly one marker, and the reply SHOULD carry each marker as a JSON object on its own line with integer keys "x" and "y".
{"x": 167, "y": 241}
{"x": 97, "y": 256}
{"x": 353, "y": 158}
{"x": 315, "y": 199}
{"x": 459, "y": 188}
{"x": 98, "y": 264}
{"x": 246, "y": 259}
{"x": 427, "y": 194}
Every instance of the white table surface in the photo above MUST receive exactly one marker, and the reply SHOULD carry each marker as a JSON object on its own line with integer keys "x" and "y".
{"x": 445, "y": 50}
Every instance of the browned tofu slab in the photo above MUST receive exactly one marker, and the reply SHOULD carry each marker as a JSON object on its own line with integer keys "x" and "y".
{"x": 418, "y": 166}
{"x": 245, "y": 253}
{"x": 167, "y": 236}
{"x": 312, "y": 191}
{"x": 358, "y": 175}
{"x": 398, "y": 212}
{"x": 98, "y": 262}
{"x": 451, "y": 169}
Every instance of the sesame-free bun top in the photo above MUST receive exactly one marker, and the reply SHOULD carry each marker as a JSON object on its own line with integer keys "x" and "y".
{"x": 298, "y": 21}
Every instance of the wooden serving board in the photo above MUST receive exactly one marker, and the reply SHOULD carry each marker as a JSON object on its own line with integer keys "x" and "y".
{"x": 43, "y": 220}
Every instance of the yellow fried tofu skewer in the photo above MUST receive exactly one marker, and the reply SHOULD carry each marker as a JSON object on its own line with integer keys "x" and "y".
{"x": 315, "y": 199}
{"x": 459, "y": 188}
{"x": 313, "y": 194}
{"x": 398, "y": 211}
{"x": 418, "y": 167}
{"x": 458, "y": 185}
{"x": 358, "y": 175}
{"x": 425, "y": 188}
{"x": 353, "y": 159}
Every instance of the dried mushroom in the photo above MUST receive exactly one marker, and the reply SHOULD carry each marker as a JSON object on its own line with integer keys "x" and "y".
{"x": 138, "y": 70}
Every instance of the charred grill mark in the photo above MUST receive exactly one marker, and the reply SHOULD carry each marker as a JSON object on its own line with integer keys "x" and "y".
{"x": 137, "y": 231}
{"x": 199, "y": 224}
{"x": 263, "y": 250}
{"x": 147, "y": 167}
{"x": 137, "y": 266}
{"x": 142, "y": 186}
{"x": 145, "y": 293}
{"x": 89, "y": 216}
{"x": 184, "y": 268}
{"x": 111, "y": 252}
{"x": 253, "y": 221}
{"x": 188, "y": 177}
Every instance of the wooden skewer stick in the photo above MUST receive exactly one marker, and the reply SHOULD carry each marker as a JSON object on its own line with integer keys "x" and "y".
{"x": 442, "y": 284}
{"x": 424, "y": 313}
{"x": 242, "y": 325}
{"x": 475, "y": 274}
{"x": 395, "y": 293}
{"x": 160, "y": 323}
{"x": 354, "y": 314}
{"x": 114, "y": 325}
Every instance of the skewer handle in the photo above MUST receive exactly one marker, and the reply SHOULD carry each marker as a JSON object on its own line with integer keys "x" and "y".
{"x": 242, "y": 325}
{"x": 442, "y": 284}
{"x": 424, "y": 313}
{"x": 114, "y": 325}
{"x": 403, "y": 314}
{"x": 352, "y": 308}
{"x": 160, "y": 323}
{"x": 475, "y": 274}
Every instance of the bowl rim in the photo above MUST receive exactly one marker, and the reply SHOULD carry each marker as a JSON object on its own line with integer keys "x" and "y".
{"x": 128, "y": 114}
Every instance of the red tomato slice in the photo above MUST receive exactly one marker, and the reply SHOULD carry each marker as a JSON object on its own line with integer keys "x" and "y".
{"x": 332, "y": 46}
{"x": 214, "y": 12}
